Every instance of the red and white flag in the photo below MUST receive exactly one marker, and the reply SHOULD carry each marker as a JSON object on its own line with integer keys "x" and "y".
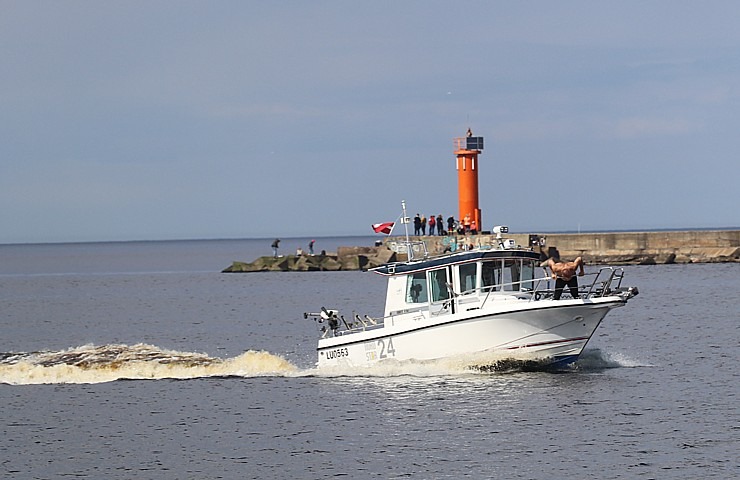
{"x": 386, "y": 227}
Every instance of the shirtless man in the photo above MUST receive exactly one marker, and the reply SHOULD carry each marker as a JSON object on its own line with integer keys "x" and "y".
{"x": 564, "y": 274}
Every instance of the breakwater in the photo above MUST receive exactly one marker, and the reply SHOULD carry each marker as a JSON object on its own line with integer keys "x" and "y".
{"x": 600, "y": 248}
{"x": 645, "y": 248}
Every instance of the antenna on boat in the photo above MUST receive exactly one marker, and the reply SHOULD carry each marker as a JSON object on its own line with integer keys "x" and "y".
{"x": 405, "y": 220}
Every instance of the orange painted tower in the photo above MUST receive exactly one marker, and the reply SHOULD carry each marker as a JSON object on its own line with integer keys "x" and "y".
{"x": 467, "y": 150}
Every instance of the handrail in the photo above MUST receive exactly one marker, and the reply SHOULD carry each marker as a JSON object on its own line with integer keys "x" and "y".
{"x": 500, "y": 287}
{"x": 595, "y": 288}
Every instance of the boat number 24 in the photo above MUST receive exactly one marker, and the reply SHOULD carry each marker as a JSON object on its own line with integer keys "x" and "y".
{"x": 385, "y": 352}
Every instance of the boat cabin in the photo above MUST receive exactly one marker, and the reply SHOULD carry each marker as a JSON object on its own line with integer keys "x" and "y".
{"x": 458, "y": 282}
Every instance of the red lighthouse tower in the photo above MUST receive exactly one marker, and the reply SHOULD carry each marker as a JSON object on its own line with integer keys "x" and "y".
{"x": 467, "y": 150}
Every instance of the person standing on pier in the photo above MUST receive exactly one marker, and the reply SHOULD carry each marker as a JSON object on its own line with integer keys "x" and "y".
{"x": 275, "y": 246}
{"x": 466, "y": 222}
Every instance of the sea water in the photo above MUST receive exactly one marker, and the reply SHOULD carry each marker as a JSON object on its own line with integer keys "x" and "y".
{"x": 141, "y": 360}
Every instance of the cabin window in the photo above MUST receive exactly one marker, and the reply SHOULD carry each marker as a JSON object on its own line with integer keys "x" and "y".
{"x": 528, "y": 269}
{"x": 416, "y": 288}
{"x": 468, "y": 277}
{"x": 512, "y": 275}
{"x": 438, "y": 284}
{"x": 491, "y": 275}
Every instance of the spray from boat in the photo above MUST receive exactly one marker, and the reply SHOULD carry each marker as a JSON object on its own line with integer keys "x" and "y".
{"x": 90, "y": 364}
{"x": 106, "y": 363}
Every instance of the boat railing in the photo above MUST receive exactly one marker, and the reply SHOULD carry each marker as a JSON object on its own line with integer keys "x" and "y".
{"x": 515, "y": 288}
{"x": 414, "y": 249}
{"x": 607, "y": 281}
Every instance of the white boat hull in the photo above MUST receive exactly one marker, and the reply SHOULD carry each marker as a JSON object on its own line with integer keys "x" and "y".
{"x": 545, "y": 332}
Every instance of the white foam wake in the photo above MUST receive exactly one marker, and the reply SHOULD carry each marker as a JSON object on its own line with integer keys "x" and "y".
{"x": 597, "y": 359}
{"x": 97, "y": 364}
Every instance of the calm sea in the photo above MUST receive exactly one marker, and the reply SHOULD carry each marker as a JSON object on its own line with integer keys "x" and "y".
{"x": 140, "y": 360}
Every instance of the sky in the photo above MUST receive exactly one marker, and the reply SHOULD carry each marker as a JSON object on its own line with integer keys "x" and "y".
{"x": 159, "y": 120}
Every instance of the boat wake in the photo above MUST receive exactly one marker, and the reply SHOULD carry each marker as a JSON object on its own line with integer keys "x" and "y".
{"x": 594, "y": 359}
{"x": 98, "y": 364}
{"x": 483, "y": 363}
{"x": 106, "y": 363}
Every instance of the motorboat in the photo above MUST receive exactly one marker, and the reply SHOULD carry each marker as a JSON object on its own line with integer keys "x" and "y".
{"x": 487, "y": 305}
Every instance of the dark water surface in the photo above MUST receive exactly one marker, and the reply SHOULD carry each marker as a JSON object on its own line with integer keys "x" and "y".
{"x": 140, "y": 360}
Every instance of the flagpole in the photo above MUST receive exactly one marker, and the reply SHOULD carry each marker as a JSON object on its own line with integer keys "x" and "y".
{"x": 405, "y": 221}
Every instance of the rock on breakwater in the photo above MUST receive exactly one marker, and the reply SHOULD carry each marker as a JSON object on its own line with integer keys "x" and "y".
{"x": 346, "y": 258}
